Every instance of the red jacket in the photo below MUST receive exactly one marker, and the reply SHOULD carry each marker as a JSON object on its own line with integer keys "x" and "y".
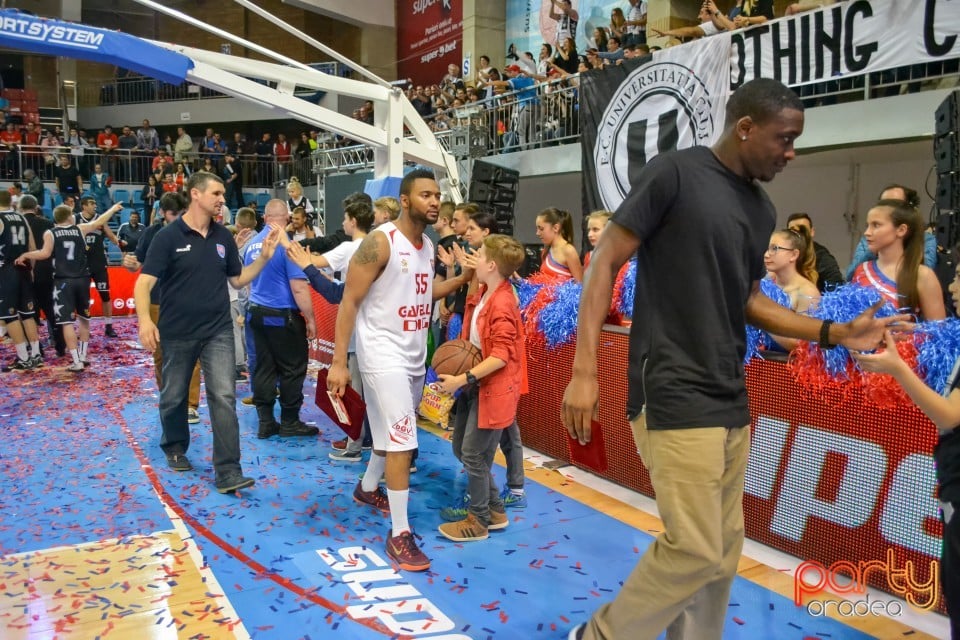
{"x": 501, "y": 336}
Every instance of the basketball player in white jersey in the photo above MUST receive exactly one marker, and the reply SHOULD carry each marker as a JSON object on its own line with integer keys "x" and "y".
{"x": 389, "y": 297}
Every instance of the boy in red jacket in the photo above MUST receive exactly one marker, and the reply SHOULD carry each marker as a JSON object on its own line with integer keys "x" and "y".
{"x": 488, "y": 404}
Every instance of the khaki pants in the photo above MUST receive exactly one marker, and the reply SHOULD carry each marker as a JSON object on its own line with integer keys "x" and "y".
{"x": 682, "y": 583}
{"x": 193, "y": 396}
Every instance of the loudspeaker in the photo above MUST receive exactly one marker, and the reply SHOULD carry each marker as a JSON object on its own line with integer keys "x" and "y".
{"x": 495, "y": 189}
{"x": 946, "y": 116}
{"x": 947, "y": 230}
{"x": 946, "y": 150}
{"x": 948, "y": 192}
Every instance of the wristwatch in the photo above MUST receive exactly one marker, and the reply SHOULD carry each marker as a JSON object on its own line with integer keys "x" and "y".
{"x": 471, "y": 379}
{"x": 824, "y": 341}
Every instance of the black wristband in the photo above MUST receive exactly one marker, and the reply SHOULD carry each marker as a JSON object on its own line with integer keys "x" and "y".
{"x": 471, "y": 379}
{"x": 825, "y": 335}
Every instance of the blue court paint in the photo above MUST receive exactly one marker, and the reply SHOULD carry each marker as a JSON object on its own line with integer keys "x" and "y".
{"x": 555, "y": 564}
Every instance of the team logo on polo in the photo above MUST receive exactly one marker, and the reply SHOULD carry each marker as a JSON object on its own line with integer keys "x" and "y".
{"x": 221, "y": 250}
{"x": 661, "y": 106}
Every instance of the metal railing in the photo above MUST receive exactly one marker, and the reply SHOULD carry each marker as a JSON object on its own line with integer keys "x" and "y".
{"x": 136, "y": 166}
{"x": 138, "y": 90}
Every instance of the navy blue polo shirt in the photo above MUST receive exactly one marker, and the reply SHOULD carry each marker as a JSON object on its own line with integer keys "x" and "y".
{"x": 194, "y": 302}
{"x": 141, "y": 253}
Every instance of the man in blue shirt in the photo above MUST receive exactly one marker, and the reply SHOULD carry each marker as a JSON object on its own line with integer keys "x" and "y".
{"x": 280, "y": 317}
{"x": 196, "y": 257}
{"x": 526, "y": 98}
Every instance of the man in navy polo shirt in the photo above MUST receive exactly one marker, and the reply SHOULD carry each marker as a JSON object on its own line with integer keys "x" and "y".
{"x": 196, "y": 257}
{"x": 281, "y": 319}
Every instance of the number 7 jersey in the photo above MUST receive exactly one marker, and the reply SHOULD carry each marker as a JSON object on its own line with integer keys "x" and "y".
{"x": 69, "y": 252}
{"x": 394, "y": 317}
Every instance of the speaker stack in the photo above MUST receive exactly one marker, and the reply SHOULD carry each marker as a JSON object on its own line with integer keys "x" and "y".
{"x": 494, "y": 189}
{"x": 946, "y": 151}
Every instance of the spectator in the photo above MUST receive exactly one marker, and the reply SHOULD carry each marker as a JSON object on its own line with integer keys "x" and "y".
{"x": 215, "y": 148}
{"x": 148, "y": 140}
{"x": 67, "y": 178}
{"x": 636, "y": 23}
{"x": 754, "y": 12}
{"x": 806, "y": 5}
{"x": 296, "y": 198}
{"x": 422, "y": 104}
{"x": 183, "y": 147}
{"x": 567, "y": 57}
{"x": 150, "y": 194}
{"x": 522, "y": 118}
{"x": 543, "y": 64}
{"x": 298, "y": 227}
{"x": 567, "y": 18}
{"x": 827, "y": 270}
{"x": 162, "y": 163}
{"x": 10, "y": 141}
{"x": 31, "y": 140}
{"x": 614, "y": 52}
{"x": 707, "y": 27}
{"x": 233, "y": 182}
{"x": 264, "y": 151}
{"x": 617, "y": 23}
{"x": 282, "y": 151}
{"x": 34, "y": 187}
{"x": 100, "y": 182}
{"x": 126, "y": 155}
{"x": 107, "y": 144}
{"x": 452, "y": 81}
{"x": 599, "y": 39}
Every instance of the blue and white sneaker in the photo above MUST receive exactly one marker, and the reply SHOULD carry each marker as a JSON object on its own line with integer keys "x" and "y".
{"x": 512, "y": 500}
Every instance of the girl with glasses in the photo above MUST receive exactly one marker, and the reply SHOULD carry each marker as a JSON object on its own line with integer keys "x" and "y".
{"x": 791, "y": 262}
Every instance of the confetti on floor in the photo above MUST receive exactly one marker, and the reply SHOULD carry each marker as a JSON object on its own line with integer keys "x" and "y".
{"x": 99, "y": 539}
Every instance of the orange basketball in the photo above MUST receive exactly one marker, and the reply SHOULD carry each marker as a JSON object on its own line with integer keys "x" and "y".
{"x": 455, "y": 357}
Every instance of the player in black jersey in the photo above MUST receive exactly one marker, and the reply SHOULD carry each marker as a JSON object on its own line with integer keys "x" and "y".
{"x": 97, "y": 258}
{"x": 17, "y": 304}
{"x": 71, "y": 276}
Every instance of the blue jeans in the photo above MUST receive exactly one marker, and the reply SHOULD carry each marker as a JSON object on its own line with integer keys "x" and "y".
{"x": 216, "y": 356}
{"x": 475, "y": 448}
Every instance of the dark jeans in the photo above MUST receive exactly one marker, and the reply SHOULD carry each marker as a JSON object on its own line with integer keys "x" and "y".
{"x": 281, "y": 344}
{"x": 216, "y": 356}
{"x": 475, "y": 448}
{"x": 950, "y": 567}
{"x": 512, "y": 448}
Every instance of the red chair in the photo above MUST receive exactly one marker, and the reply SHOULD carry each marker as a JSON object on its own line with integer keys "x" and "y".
{"x": 15, "y": 106}
{"x": 29, "y": 106}
{"x": 29, "y": 95}
{"x": 12, "y": 94}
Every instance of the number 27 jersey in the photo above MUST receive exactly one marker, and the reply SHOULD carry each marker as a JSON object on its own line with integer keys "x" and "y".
{"x": 394, "y": 317}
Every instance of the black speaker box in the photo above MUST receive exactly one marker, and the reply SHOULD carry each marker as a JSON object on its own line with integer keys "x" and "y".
{"x": 946, "y": 116}
{"x": 948, "y": 192}
{"x": 947, "y": 230}
{"x": 946, "y": 150}
{"x": 490, "y": 173}
{"x": 483, "y": 192}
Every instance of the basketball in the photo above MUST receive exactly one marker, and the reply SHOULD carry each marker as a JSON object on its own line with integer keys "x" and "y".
{"x": 455, "y": 357}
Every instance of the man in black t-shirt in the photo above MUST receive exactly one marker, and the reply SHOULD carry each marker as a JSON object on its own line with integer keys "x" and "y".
{"x": 71, "y": 278}
{"x": 68, "y": 178}
{"x": 699, "y": 223}
{"x": 97, "y": 258}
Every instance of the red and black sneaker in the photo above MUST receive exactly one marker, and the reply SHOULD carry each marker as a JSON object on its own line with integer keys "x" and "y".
{"x": 404, "y": 551}
{"x": 376, "y": 498}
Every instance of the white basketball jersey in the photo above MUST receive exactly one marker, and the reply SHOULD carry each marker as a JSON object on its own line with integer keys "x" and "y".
{"x": 394, "y": 317}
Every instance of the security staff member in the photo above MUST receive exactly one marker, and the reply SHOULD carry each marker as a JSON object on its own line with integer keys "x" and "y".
{"x": 281, "y": 319}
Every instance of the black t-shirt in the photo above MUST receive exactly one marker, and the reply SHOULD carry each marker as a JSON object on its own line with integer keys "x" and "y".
{"x": 447, "y": 243}
{"x": 141, "y": 253}
{"x": 194, "y": 302}
{"x": 67, "y": 179}
{"x": 947, "y": 457}
{"x": 42, "y": 269}
{"x": 69, "y": 253}
{"x": 761, "y": 8}
{"x": 703, "y": 232}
